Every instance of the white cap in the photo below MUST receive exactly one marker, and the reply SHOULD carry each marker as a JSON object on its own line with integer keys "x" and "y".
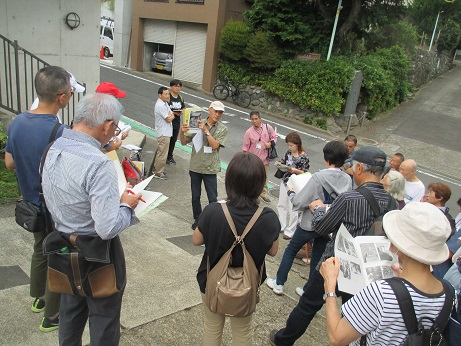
{"x": 217, "y": 106}
{"x": 76, "y": 87}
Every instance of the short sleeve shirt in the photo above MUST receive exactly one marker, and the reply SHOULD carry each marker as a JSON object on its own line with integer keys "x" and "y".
{"x": 176, "y": 104}
{"x": 219, "y": 237}
{"x": 162, "y": 128}
{"x": 28, "y": 135}
{"x": 202, "y": 162}
{"x": 375, "y": 312}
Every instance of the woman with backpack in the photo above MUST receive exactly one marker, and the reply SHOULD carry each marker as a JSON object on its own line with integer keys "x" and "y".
{"x": 417, "y": 234}
{"x": 245, "y": 179}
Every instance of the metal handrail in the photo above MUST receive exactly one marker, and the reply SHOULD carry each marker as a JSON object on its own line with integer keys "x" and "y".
{"x": 18, "y": 67}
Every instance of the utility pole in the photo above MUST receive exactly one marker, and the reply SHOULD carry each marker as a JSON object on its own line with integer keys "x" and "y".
{"x": 338, "y": 10}
{"x": 435, "y": 29}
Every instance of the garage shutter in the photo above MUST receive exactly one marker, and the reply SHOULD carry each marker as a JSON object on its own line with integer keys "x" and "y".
{"x": 159, "y": 31}
{"x": 189, "y": 53}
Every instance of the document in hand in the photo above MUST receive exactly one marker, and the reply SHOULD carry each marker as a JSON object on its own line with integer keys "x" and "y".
{"x": 298, "y": 181}
{"x": 361, "y": 260}
{"x": 149, "y": 196}
{"x": 191, "y": 118}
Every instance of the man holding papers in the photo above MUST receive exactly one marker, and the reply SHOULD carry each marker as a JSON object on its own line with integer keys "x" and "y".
{"x": 82, "y": 194}
{"x": 204, "y": 162}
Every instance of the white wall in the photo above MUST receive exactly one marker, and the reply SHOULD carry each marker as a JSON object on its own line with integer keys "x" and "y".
{"x": 39, "y": 27}
{"x": 122, "y": 31}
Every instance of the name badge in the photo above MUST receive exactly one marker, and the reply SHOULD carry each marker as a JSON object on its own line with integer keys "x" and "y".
{"x": 258, "y": 146}
{"x": 207, "y": 150}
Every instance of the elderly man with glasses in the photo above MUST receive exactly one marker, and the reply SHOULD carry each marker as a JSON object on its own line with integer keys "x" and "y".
{"x": 81, "y": 189}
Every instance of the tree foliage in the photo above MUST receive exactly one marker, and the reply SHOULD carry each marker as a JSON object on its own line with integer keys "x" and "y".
{"x": 234, "y": 39}
{"x": 262, "y": 52}
{"x": 398, "y": 33}
{"x": 450, "y": 35}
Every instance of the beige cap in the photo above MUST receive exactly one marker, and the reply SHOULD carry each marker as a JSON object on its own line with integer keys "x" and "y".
{"x": 217, "y": 106}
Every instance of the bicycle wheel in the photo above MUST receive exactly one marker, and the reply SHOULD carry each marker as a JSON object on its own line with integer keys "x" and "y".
{"x": 221, "y": 92}
{"x": 243, "y": 99}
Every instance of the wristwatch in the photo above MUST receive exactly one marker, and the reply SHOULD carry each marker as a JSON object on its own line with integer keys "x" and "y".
{"x": 330, "y": 294}
{"x": 207, "y": 133}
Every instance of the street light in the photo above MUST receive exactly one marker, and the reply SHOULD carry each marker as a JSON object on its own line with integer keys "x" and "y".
{"x": 435, "y": 28}
{"x": 334, "y": 29}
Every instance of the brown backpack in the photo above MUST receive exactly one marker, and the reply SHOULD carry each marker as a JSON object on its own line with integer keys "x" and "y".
{"x": 234, "y": 291}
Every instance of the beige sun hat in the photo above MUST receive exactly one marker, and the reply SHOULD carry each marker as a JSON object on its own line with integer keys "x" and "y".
{"x": 420, "y": 231}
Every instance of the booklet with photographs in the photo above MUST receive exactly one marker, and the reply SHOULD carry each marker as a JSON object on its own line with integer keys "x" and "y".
{"x": 362, "y": 260}
{"x": 191, "y": 118}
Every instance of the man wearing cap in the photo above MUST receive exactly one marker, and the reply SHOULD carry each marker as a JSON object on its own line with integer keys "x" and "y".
{"x": 28, "y": 135}
{"x": 205, "y": 163}
{"x": 413, "y": 186}
{"x": 112, "y": 89}
{"x": 164, "y": 130}
{"x": 76, "y": 88}
{"x": 351, "y": 209}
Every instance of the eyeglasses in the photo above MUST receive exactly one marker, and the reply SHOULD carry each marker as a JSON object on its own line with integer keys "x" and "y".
{"x": 118, "y": 130}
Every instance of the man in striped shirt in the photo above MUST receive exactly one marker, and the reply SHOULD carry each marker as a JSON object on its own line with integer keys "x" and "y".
{"x": 350, "y": 208}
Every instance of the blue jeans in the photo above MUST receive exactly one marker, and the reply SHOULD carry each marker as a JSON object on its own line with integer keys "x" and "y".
{"x": 310, "y": 302}
{"x": 300, "y": 238}
{"x": 211, "y": 187}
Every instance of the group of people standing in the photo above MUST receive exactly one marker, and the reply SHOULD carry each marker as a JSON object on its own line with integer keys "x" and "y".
{"x": 88, "y": 200}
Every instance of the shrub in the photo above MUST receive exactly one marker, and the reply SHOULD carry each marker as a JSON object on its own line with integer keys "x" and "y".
{"x": 450, "y": 35}
{"x": 262, "y": 53}
{"x": 8, "y": 183}
{"x": 317, "y": 85}
{"x": 234, "y": 39}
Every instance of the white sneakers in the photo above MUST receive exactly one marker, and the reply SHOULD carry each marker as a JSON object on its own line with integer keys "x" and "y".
{"x": 299, "y": 291}
{"x": 277, "y": 289}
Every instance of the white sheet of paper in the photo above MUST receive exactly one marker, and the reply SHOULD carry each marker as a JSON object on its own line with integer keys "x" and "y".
{"x": 142, "y": 185}
{"x": 298, "y": 181}
{"x": 198, "y": 142}
{"x": 150, "y": 197}
{"x": 131, "y": 147}
{"x": 207, "y": 150}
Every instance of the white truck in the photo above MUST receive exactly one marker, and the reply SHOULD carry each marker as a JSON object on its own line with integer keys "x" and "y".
{"x": 106, "y": 36}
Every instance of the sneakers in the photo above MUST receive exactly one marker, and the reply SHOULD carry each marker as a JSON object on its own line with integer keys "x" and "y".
{"x": 162, "y": 177}
{"x": 170, "y": 161}
{"x": 38, "y": 305}
{"x": 277, "y": 289}
{"x": 299, "y": 291}
{"x": 48, "y": 325}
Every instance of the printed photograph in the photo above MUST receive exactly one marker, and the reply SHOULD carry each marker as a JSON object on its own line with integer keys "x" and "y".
{"x": 340, "y": 241}
{"x": 374, "y": 273}
{"x": 350, "y": 248}
{"x": 384, "y": 253}
{"x": 345, "y": 269}
{"x": 356, "y": 268}
{"x": 369, "y": 253}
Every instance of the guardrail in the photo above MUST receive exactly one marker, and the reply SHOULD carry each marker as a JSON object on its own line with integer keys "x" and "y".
{"x": 18, "y": 67}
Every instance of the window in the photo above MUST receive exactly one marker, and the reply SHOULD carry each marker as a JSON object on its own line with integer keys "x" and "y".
{"x": 108, "y": 32}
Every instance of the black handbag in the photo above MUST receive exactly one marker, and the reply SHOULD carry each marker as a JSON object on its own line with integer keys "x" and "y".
{"x": 87, "y": 266}
{"x": 279, "y": 174}
{"x": 271, "y": 151}
{"x": 29, "y": 216}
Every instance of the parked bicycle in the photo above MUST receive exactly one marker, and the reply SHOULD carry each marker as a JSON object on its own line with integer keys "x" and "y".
{"x": 223, "y": 90}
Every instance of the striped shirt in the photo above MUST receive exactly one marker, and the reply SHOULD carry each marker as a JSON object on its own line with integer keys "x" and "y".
{"x": 375, "y": 312}
{"x": 81, "y": 189}
{"x": 352, "y": 209}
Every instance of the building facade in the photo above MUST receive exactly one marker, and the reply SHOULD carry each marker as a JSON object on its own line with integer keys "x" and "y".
{"x": 187, "y": 31}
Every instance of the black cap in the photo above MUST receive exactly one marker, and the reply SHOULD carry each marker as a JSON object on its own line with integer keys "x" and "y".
{"x": 370, "y": 155}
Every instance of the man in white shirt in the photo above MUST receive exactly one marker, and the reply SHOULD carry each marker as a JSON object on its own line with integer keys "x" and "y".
{"x": 413, "y": 186}
{"x": 164, "y": 130}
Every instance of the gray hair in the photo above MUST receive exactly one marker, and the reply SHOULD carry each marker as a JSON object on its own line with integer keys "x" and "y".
{"x": 50, "y": 82}
{"x": 376, "y": 170}
{"x": 95, "y": 109}
{"x": 396, "y": 183}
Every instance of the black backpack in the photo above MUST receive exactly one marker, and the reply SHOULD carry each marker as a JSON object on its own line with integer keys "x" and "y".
{"x": 376, "y": 227}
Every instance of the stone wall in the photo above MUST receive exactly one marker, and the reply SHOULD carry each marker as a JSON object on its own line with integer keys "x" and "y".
{"x": 425, "y": 66}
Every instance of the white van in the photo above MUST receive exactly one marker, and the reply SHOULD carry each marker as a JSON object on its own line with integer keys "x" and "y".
{"x": 106, "y": 36}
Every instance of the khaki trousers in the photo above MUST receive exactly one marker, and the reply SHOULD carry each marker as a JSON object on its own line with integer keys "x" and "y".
{"x": 242, "y": 332}
{"x": 161, "y": 154}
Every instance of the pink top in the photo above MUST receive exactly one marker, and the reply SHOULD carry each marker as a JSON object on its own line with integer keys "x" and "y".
{"x": 255, "y": 140}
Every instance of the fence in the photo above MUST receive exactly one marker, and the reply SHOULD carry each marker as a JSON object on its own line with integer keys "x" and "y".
{"x": 17, "y": 71}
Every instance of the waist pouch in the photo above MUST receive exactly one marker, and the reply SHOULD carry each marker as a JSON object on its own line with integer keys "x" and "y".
{"x": 86, "y": 266}
{"x": 29, "y": 216}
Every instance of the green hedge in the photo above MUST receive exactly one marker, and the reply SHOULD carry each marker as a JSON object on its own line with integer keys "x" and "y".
{"x": 8, "y": 183}
{"x": 322, "y": 86}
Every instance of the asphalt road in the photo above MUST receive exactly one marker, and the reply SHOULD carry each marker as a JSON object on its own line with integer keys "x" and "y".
{"x": 141, "y": 89}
